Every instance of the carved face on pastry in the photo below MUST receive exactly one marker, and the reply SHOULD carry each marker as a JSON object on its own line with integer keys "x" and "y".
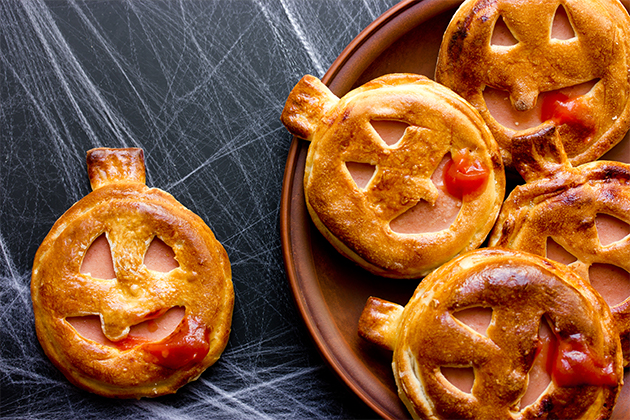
{"x": 500, "y": 334}
{"x": 131, "y": 291}
{"x": 521, "y": 63}
{"x": 401, "y": 173}
{"x": 579, "y": 216}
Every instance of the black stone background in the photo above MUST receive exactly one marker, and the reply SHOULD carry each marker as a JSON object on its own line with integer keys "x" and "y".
{"x": 199, "y": 85}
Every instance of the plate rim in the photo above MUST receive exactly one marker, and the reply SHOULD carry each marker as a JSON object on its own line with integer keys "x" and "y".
{"x": 349, "y": 65}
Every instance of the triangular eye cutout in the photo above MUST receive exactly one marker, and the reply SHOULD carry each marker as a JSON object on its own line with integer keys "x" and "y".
{"x": 462, "y": 378}
{"x": 556, "y": 252}
{"x": 612, "y": 282}
{"x": 361, "y": 173}
{"x": 561, "y": 27}
{"x": 97, "y": 261}
{"x": 390, "y": 131}
{"x": 477, "y": 318}
{"x": 501, "y": 35}
{"x": 160, "y": 257}
{"x": 610, "y": 229}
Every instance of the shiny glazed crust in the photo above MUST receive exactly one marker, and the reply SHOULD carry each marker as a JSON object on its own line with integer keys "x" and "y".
{"x": 600, "y": 51}
{"x": 562, "y": 203}
{"x": 357, "y": 220}
{"x": 131, "y": 215}
{"x": 521, "y": 289}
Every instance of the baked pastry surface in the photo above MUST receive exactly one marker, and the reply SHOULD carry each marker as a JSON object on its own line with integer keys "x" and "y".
{"x": 523, "y": 291}
{"x": 357, "y": 220}
{"x": 563, "y": 204}
{"x": 131, "y": 216}
{"x": 541, "y": 76}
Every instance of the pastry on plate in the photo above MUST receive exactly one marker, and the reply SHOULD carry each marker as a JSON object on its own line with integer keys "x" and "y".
{"x": 523, "y": 62}
{"x": 579, "y": 216}
{"x": 132, "y": 293}
{"x": 500, "y": 334}
{"x": 401, "y": 174}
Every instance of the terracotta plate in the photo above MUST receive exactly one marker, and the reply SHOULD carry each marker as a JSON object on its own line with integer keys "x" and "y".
{"x": 331, "y": 291}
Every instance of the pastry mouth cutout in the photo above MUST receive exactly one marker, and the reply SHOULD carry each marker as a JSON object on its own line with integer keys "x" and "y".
{"x": 427, "y": 217}
{"x": 569, "y": 106}
{"x": 151, "y": 328}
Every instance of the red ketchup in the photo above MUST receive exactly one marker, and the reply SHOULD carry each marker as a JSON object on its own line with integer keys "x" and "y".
{"x": 465, "y": 175}
{"x": 186, "y": 346}
{"x": 574, "y": 364}
{"x": 561, "y": 109}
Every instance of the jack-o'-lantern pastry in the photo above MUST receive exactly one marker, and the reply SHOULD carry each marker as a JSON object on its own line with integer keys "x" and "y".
{"x": 132, "y": 293}
{"x": 523, "y": 62}
{"x": 500, "y": 334}
{"x": 579, "y": 216}
{"x": 401, "y": 173}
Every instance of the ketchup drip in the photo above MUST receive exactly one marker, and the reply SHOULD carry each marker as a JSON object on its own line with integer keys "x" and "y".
{"x": 573, "y": 363}
{"x": 465, "y": 175}
{"x": 186, "y": 346}
{"x": 561, "y": 109}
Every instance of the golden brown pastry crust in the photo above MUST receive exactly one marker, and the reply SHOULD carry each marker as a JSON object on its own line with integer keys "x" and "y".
{"x": 357, "y": 220}
{"x": 521, "y": 289}
{"x": 562, "y": 202}
{"x": 467, "y": 63}
{"x": 131, "y": 215}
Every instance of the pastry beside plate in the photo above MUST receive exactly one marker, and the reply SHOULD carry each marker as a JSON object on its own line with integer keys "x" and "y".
{"x": 132, "y": 293}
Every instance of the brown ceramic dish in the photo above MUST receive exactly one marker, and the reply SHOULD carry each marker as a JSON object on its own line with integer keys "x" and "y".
{"x": 330, "y": 291}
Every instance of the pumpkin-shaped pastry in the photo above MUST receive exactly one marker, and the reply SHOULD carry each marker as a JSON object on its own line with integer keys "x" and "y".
{"x": 523, "y": 62}
{"x": 401, "y": 173}
{"x": 579, "y": 216}
{"x": 500, "y": 334}
{"x": 132, "y": 293}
